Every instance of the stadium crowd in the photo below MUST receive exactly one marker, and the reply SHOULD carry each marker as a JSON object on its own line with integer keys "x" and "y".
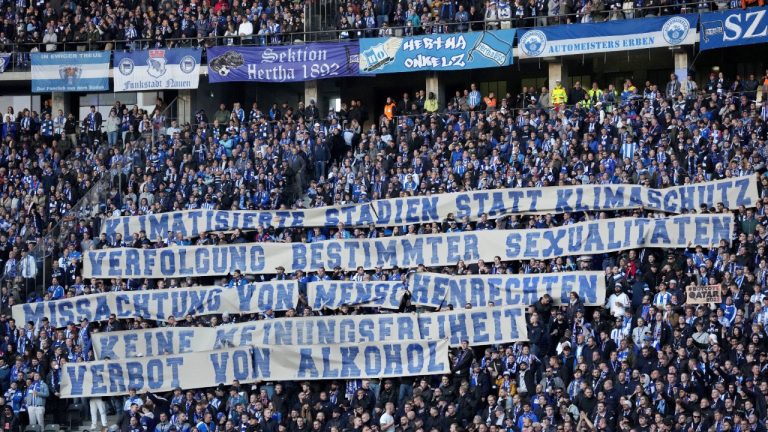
{"x": 126, "y": 25}
{"x": 646, "y": 362}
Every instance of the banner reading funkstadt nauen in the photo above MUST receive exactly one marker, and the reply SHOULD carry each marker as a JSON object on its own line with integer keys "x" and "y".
{"x": 435, "y": 289}
{"x": 593, "y": 237}
{"x": 248, "y": 364}
{"x": 161, "y": 304}
{"x": 732, "y": 193}
{"x": 480, "y": 326}
{"x": 332, "y": 294}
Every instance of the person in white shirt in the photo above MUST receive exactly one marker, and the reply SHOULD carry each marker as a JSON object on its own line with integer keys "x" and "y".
{"x": 618, "y": 302}
{"x": 245, "y": 30}
{"x": 387, "y": 420}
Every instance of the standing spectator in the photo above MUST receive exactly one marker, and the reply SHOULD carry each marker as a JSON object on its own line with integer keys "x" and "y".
{"x": 112, "y": 127}
{"x": 673, "y": 87}
{"x": 36, "y": 397}
{"x": 474, "y": 97}
{"x": 28, "y": 270}
{"x": 93, "y": 125}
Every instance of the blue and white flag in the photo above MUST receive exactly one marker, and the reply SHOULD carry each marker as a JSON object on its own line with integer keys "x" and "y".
{"x": 5, "y": 60}
{"x": 80, "y": 71}
{"x": 437, "y": 52}
{"x": 157, "y": 69}
{"x": 734, "y": 27}
{"x": 572, "y": 39}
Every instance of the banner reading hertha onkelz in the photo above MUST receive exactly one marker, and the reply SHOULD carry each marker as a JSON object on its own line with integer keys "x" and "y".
{"x": 437, "y": 52}
{"x": 157, "y": 69}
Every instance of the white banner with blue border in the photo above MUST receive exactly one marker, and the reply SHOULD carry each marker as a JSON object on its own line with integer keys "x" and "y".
{"x": 157, "y": 69}
{"x": 609, "y": 36}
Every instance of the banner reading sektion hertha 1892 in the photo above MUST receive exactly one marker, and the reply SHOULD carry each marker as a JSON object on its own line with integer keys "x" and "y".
{"x": 283, "y": 63}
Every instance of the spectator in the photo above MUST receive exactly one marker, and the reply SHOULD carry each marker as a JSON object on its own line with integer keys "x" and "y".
{"x": 36, "y": 396}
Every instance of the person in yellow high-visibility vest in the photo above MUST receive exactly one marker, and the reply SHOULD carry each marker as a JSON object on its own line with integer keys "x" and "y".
{"x": 594, "y": 95}
{"x": 559, "y": 96}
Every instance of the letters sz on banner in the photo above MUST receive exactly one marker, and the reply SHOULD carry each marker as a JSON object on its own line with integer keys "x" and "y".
{"x": 481, "y": 326}
{"x": 157, "y": 69}
{"x": 334, "y": 294}
{"x": 593, "y": 237}
{"x": 438, "y": 52}
{"x": 732, "y": 193}
{"x": 249, "y": 364}
{"x": 160, "y": 304}
{"x": 734, "y": 27}
{"x": 435, "y": 289}
{"x": 632, "y": 34}
{"x": 80, "y": 71}
{"x": 290, "y": 63}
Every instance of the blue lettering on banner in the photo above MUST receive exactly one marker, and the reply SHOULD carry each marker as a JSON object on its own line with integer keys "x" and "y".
{"x": 400, "y": 211}
{"x": 326, "y": 330}
{"x": 106, "y": 378}
{"x": 161, "y": 304}
{"x": 436, "y": 290}
{"x": 591, "y": 237}
{"x": 334, "y": 294}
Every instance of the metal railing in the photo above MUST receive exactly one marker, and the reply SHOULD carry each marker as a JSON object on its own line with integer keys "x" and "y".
{"x": 324, "y": 27}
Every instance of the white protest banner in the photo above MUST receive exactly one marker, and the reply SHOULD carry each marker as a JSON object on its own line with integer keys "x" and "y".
{"x": 481, "y": 326}
{"x": 160, "y": 304}
{"x": 592, "y": 237}
{"x": 703, "y": 294}
{"x": 370, "y": 360}
{"x": 333, "y": 294}
{"x": 156, "y": 374}
{"x": 249, "y": 364}
{"x": 732, "y": 193}
{"x": 435, "y": 289}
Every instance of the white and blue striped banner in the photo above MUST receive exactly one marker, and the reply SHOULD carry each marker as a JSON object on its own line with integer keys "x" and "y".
{"x": 70, "y": 71}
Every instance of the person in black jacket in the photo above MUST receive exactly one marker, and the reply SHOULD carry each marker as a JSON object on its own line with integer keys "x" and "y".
{"x": 464, "y": 359}
{"x": 92, "y": 123}
{"x": 9, "y": 420}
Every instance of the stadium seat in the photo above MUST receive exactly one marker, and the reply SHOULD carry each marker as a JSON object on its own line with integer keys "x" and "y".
{"x": 74, "y": 415}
